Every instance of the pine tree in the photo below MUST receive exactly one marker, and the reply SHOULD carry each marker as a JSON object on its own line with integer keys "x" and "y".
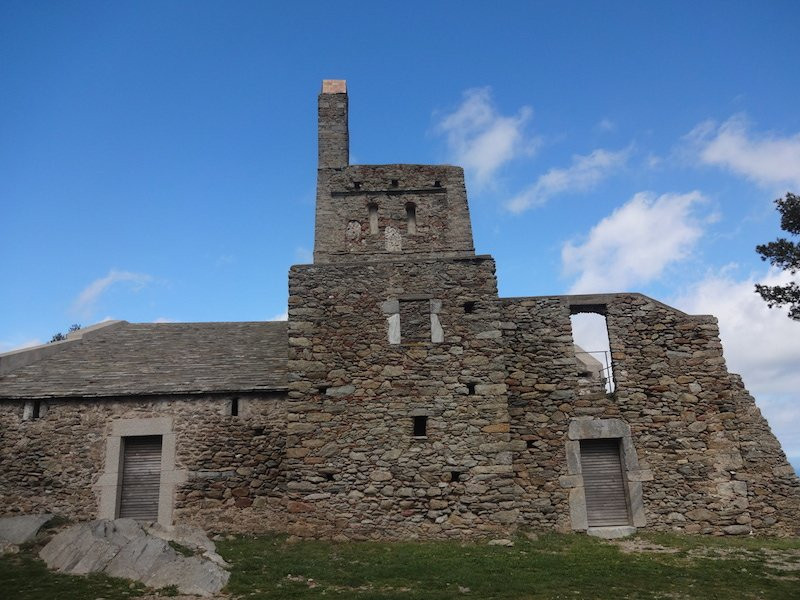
{"x": 785, "y": 254}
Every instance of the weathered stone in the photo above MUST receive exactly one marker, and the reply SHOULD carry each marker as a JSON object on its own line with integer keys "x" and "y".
{"x": 701, "y": 514}
{"x": 610, "y": 533}
{"x": 123, "y": 548}
{"x": 21, "y": 529}
{"x": 500, "y": 542}
{"x": 380, "y": 475}
{"x": 737, "y": 529}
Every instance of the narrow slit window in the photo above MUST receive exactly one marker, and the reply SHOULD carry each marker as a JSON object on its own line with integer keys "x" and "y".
{"x": 234, "y": 407}
{"x": 471, "y": 389}
{"x": 529, "y": 444}
{"x": 357, "y": 185}
{"x": 437, "y": 183}
{"x": 455, "y": 476}
{"x": 372, "y": 210}
{"x": 469, "y": 307}
{"x": 411, "y": 218}
{"x": 420, "y": 426}
{"x": 36, "y": 412}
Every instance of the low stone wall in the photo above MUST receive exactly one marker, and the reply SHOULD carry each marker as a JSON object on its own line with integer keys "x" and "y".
{"x": 232, "y": 464}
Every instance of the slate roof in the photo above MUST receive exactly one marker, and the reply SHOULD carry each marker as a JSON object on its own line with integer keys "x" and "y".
{"x": 158, "y": 358}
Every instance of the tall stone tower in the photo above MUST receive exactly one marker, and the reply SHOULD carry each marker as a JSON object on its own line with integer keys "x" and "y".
{"x": 397, "y": 412}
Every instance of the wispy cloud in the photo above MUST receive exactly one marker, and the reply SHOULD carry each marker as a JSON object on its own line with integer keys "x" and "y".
{"x": 766, "y": 158}
{"x": 84, "y": 304}
{"x": 635, "y": 243}
{"x": 584, "y": 173}
{"x": 760, "y": 343}
{"x": 606, "y": 125}
{"x": 483, "y": 140}
{"x": 164, "y": 320}
{"x": 284, "y": 316}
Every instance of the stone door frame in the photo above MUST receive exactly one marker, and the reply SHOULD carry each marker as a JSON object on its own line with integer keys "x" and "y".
{"x": 588, "y": 428}
{"x": 110, "y": 482}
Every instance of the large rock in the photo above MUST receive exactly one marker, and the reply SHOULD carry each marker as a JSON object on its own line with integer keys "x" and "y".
{"x": 125, "y": 548}
{"x": 20, "y": 530}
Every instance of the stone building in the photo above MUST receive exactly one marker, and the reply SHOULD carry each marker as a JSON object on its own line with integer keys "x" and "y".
{"x": 404, "y": 398}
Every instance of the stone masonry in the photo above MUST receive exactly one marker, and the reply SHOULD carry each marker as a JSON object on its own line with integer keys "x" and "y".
{"x": 403, "y": 399}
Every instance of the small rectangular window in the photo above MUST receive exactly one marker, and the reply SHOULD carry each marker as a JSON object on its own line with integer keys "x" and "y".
{"x": 455, "y": 475}
{"x": 33, "y": 409}
{"x": 372, "y": 210}
{"x": 469, "y": 307}
{"x": 234, "y": 407}
{"x": 420, "y": 426}
{"x": 411, "y": 218}
{"x": 471, "y": 389}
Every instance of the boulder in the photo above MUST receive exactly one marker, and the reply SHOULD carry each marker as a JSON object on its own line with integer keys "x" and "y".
{"x": 126, "y": 548}
{"x": 18, "y": 530}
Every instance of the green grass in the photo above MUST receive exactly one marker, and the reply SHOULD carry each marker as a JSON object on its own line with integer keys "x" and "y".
{"x": 553, "y": 566}
{"x": 24, "y": 577}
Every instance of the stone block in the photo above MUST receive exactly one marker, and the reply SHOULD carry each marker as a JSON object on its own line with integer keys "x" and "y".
{"x": 611, "y": 533}
{"x": 22, "y": 528}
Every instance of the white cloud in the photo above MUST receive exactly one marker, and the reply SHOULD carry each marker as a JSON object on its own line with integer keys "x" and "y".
{"x": 766, "y": 158}
{"x": 635, "y": 243}
{"x": 84, "y": 304}
{"x": 761, "y": 344}
{"x": 606, "y": 125}
{"x": 584, "y": 173}
{"x": 8, "y": 346}
{"x": 164, "y": 320}
{"x": 483, "y": 140}
{"x": 284, "y": 316}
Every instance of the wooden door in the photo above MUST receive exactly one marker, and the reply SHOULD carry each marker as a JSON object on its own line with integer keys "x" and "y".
{"x": 141, "y": 478}
{"x": 604, "y": 483}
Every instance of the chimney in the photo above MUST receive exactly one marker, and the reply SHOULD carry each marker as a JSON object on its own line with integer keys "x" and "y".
{"x": 334, "y": 138}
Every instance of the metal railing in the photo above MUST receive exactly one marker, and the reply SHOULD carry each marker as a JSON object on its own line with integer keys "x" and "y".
{"x": 606, "y": 373}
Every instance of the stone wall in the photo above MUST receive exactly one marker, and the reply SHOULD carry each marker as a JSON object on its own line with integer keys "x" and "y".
{"x": 346, "y": 196}
{"x": 706, "y": 459}
{"x": 773, "y": 488}
{"x": 542, "y": 382}
{"x": 353, "y": 464}
{"x": 233, "y": 463}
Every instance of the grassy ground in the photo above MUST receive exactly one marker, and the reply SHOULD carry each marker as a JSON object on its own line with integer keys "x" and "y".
{"x": 552, "y": 566}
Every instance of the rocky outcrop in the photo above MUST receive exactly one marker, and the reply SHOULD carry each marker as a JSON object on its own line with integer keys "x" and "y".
{"x": 20, "y": 530}
{"x": 128, "y": 549}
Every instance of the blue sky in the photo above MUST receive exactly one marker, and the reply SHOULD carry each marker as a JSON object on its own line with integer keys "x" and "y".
{"x": 157, "y": 159}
